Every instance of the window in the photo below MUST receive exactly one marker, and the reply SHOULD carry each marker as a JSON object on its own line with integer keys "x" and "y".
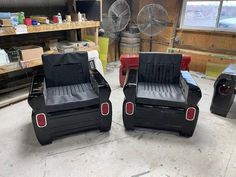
{"x": 209, "y": 14}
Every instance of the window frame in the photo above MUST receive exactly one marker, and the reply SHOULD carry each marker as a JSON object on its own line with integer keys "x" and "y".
{"x": 216, "y": 28}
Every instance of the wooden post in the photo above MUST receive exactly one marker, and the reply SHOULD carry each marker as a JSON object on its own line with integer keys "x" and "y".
{"x": 175, "y": 26}
{"x": 96, "y": 36}
{"x": 72, "y": 35}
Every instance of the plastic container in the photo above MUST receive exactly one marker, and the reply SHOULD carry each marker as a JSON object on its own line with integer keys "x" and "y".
{"x": 55, "y": 19}
{"x": 66, "y": 47}
{"x": 59, "y": 18}
{"x": 28, "y": 21}
{"x": 14, "y": 54}
{"x": 5, "y": 15}
{"x": 4, "y": 59}
{"x": 14, "y": 20}
{"x": 21, "y": 17}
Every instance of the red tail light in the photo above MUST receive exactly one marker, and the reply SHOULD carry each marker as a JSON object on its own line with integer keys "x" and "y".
{"x": 224, "y": 90}
{"x": 105, "y": 109}
{"x": 190, "y": 114}
{"x": 41, "y": 120}
{"x": 224, "y": 87}
{"x": 129, "y": 108}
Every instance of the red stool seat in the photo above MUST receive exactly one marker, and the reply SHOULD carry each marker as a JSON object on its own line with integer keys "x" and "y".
{"x": 185, "y": 63}
{"x": 127, "y": 61}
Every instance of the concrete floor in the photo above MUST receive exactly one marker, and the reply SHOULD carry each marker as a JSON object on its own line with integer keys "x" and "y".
{"x": 211, "y": 152}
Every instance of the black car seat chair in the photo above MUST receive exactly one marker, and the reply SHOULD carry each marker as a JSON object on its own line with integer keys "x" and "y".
{"x": 224, "y": 91}
{"x": 161, "y": 96}
{"x": 69, "y": 98}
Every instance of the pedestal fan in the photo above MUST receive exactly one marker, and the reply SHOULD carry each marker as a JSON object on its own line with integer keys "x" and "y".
{"x": 152, "y": 20}
{"x": 116, "y": 20}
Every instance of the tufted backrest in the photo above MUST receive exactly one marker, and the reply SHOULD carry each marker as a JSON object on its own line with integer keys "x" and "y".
{"x": 159, "y": 68}
{"x": 66, "y": 69}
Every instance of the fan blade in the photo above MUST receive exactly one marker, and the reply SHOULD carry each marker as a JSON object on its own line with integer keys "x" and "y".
{"x": 144, "y": 26}
{"x": 148, "y": 29}
{"x": 150, "y": 13}
{"x": 114, "y": 11}
{"x": 124, "y": 13}
{"x": 161, "y": 22}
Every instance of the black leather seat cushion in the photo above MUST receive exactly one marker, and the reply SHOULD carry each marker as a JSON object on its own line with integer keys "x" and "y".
{"x": 70, "y": 97}
{"x": 169, "y": 95}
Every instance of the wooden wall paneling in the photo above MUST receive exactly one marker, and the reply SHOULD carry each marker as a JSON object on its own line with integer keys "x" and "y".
{"x": 200, "y": 59}
{"x": 135, "y": 8}
{"x": 220, "y": 43}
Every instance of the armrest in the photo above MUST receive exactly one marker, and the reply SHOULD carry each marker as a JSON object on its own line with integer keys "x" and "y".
{"x": 100, "y": 85}
{"x": 131, "y": 85}
{"x": 190, "y": 88}
{"x": 36, "y": 97}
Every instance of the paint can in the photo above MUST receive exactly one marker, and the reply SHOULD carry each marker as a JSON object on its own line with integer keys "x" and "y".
{"x": 68, "y": 18}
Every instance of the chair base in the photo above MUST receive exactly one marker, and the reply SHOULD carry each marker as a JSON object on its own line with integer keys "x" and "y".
{"x": 162, "y": 118}
{"x": 219, "y": 111}
{"x": 71, "y": 122}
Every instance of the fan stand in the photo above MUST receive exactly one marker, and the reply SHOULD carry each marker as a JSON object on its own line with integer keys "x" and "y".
{"x": 117, "y": 42}
{"x": 150, "y": 49}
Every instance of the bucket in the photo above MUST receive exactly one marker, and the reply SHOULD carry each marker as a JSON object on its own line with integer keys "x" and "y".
{"x": 126, "y": 48}
{"x": 129, "y": 43}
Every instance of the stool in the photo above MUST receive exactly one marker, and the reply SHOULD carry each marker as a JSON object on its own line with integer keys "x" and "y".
{"x": 127, "y": 62}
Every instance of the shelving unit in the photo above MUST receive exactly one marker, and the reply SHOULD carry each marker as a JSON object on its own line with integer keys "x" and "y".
{"x": 10, "y": 31}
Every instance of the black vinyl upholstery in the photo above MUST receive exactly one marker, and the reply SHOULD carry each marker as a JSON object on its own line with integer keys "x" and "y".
{"x": 66, "y": 69}
{"x": 70, "y": 97}
{"x": 159, "y": 68}
{"x": 158, "y": 80}
{"x": 68, "y": 82}
{"x": 160, "y": 94}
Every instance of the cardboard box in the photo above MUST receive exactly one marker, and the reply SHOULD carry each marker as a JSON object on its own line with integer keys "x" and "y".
{"x": 5, "y": 22}
{"x": 40, "y": 19}
{"x": 31, "y": 52}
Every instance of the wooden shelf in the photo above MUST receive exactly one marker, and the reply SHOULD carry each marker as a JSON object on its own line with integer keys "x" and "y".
{"x": 10, "y": 68}
{"x": 15, "y": 66}
{"x": 8, "y": 31}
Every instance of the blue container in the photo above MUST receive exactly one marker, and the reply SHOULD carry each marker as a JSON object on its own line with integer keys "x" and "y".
{"x": 5, "y": 15}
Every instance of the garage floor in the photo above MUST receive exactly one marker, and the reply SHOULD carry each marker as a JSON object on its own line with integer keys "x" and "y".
{"x": 211, "y": 152}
